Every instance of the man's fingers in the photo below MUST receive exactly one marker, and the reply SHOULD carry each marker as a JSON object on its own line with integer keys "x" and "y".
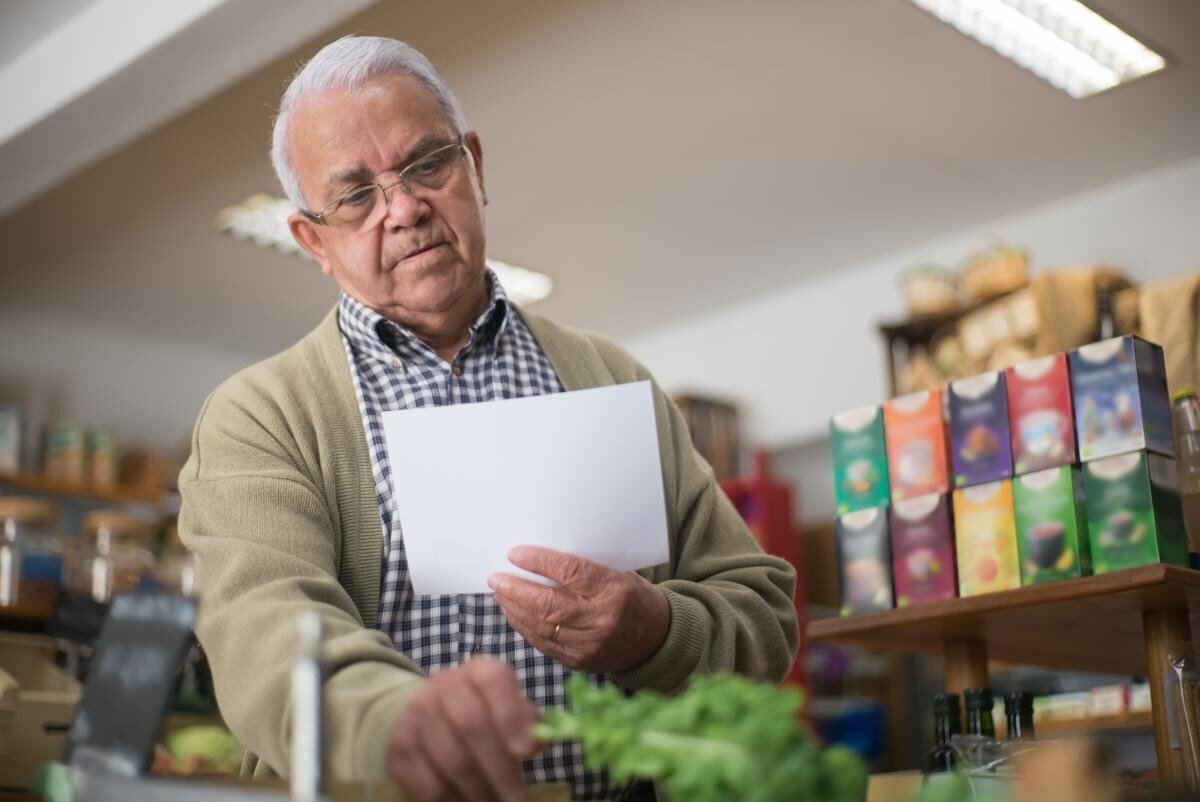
{"x": 411, "y": 766}
{"x": 513, "y": 715}
{"x": 552, "y": 605}
{"x": 471, "y": 717}
{"x": 580, "y": 575}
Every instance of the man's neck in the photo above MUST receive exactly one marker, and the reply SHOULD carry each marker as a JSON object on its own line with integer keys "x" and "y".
{"x": 446, "y": 333}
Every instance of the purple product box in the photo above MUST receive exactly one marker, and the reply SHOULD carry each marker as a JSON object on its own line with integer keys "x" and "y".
{"x": 980, "y": 442}
{"x": 923, "y": 566}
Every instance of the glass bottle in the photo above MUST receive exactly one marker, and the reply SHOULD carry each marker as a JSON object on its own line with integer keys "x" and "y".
{"x": 1018, "y": 709}
{"x": 979, "y": 712}
{"x": 947, "y": 722}
{"x": 1186, "y": 412}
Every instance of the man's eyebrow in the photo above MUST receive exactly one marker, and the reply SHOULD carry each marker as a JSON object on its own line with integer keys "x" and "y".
{"x": 361, "y": 175}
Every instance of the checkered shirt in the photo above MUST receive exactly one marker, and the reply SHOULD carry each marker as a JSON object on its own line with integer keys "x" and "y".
{"x": 393, "y": 369}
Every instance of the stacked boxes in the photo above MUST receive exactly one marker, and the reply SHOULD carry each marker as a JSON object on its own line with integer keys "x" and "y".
{"x": 859, "y": 460}
{"x": 1123, "y": 427}
{"x": 1051, "y": 525}
{"x": 1046, "y": 471}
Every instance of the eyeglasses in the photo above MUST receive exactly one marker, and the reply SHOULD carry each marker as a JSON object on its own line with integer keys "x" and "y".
{"x": 365, "y": 203}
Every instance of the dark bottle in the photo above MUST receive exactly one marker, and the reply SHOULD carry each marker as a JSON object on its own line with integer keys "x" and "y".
{"x": 979, "y": 712}
{"x": 1018, "y": 709}
{"x": 947, "y": 722}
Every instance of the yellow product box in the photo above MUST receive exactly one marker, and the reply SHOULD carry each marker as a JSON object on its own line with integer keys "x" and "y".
{"x": 985, "y": 535}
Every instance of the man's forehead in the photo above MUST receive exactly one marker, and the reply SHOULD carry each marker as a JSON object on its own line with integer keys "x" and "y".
{"x": 389, "y": 118}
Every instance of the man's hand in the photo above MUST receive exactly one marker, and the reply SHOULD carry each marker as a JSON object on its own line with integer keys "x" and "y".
{"x": 463, "y": 736}
{"x": 598, "y": 619}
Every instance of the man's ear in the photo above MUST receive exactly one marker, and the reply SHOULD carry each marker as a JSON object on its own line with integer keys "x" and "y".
{"x": 476, "y": 148}
{"x": 305, "y": 232}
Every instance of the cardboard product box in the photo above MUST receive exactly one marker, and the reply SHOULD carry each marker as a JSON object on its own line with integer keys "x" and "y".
{"x": 980, "y": 444}
{"x": 864, "y": 561}
{"x": 985, "y": 535}
{"x": 915, "y": 430}
{"x": 37, "y": 702}
{"x": 1121, "y": 401}
{"x": 860, "y": 468}
{"x": 1134, "y": 513}
{"x": 1041, "y": 416}
{"x": 1051, "y": 525}
{"x": 923, "y": 566}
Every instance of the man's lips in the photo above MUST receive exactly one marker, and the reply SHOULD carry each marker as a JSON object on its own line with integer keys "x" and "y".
{"x": 414, "y": 253}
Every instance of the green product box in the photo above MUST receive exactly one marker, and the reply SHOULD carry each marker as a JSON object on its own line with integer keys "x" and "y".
{"x": 1134, "y": 512}
{"x": 860, "y": 472}
{"x": 1051, "y": 525}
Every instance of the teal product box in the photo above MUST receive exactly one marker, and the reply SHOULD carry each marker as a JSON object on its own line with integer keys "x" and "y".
{"x": 860, "y": 472}
{"x": 1121, "y": 401}
{"x": 865, "y": 561}
{"x": 1134, "y": 513}
{"x": 1052, "y": 529}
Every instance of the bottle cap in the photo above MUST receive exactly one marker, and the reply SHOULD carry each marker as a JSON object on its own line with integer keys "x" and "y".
{"x": 979, "y": 698}
{"x": 1182, "y": 393}
{"x": 946, "y": 704}
{"x": 1018, "y": 702}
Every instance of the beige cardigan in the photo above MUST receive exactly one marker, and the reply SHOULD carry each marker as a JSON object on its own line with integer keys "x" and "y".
{"x": 279, "y": 508}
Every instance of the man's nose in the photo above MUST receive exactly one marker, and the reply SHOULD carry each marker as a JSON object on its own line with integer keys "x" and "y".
{"x": 403, "y": 210}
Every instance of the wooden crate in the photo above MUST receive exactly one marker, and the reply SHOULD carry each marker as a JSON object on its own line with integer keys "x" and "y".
{"x": 37, "y": 701}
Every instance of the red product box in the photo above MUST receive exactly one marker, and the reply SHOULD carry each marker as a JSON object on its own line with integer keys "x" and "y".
{"x": 1041, "y": 416}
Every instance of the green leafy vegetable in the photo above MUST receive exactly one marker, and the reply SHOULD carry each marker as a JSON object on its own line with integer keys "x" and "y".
{"x": 725, "y": 739}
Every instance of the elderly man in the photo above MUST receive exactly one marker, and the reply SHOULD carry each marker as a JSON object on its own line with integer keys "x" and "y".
{"x": 287, "y": 497}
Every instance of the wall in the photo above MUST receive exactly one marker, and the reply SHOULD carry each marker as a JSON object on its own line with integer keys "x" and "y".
{"x": 798, "y": 355}
{"x": 147, "y": 391}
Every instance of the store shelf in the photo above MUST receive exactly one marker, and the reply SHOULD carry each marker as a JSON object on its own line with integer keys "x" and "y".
{"x": 1054, "y": 728}
{"x": 1089, "y": 624}
{"x": 1129, "y": 622}
{"x": 33, "y": 483}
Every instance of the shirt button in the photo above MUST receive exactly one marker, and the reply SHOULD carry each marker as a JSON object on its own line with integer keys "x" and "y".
{"x": 456, "y": 369}
{"x": 396, "y": 364}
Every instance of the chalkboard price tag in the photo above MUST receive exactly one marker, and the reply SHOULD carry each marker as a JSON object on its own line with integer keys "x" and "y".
{"x": 142, "y": 646}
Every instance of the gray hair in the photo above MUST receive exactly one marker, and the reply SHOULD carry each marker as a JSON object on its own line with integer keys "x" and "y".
{"x": 346, "y": 65}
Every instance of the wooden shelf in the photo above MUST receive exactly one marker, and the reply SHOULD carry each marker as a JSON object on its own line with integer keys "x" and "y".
{"x": 1091, "y": 624}
{"x": 116, "y": 495}
{"x": 1054, "y": 728}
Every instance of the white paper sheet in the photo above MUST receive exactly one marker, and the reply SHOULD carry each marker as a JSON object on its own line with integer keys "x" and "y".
{"x": 578, "y": 472}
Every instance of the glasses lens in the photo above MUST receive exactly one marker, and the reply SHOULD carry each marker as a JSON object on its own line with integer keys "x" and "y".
{"x": 356, "y": 205}
{"x": 435, "y": 170}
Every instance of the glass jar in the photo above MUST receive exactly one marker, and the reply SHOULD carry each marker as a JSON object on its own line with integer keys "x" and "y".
{"x": 176, "y": 567}
{"x": 31, "y": 556}
{"x": 114, "y": 555}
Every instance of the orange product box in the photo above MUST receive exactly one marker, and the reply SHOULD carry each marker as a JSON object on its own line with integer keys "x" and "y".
{"x": 915, "y": 428}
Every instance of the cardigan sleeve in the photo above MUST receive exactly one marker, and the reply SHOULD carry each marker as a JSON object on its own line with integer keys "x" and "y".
{"x": 266, "y": 549}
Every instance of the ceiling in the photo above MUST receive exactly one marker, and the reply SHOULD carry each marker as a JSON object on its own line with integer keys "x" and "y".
{"x": 656, "y": 159}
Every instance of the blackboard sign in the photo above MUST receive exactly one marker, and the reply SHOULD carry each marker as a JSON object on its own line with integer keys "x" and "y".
{"x": 130, "y": 681}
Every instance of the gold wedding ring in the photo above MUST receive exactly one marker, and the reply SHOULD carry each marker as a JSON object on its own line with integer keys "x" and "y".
{"x": 554, "y": 637}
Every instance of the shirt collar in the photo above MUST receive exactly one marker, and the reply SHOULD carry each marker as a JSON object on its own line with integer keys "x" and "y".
{"x": 374, "y": 334}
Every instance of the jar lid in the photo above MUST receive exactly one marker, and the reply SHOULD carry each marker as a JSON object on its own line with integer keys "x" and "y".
{"x": 30, "y": 511}
{"x": 119, "y": 525}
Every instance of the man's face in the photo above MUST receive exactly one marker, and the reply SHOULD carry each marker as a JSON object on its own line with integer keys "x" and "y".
{"x": 427, "y": 252}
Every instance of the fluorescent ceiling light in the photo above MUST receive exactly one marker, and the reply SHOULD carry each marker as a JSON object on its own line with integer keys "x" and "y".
{"x": 1061, "y": 41}
{"x": 262, "y": 219}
